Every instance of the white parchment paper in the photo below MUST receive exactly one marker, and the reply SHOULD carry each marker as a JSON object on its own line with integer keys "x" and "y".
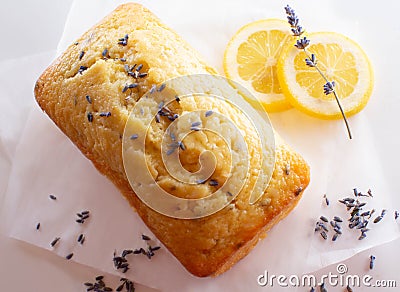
{"x": 40, "y": 160}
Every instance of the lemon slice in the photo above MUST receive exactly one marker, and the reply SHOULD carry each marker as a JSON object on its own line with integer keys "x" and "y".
{"x": 251, "y": 58}
{"x": 341, "y": 60}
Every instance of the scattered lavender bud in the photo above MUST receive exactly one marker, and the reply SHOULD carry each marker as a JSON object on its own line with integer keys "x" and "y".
{"x": 326, "y": 200}
{"x": 323, "y": 218}
{"x": 371, "y": 262}
{"x": 54, "y": 242}
{"x": 69, "y": 256}
{"x": 323, "y": 234}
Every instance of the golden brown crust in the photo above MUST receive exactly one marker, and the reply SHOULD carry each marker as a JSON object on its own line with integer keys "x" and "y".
{"x": 205, "y": 246}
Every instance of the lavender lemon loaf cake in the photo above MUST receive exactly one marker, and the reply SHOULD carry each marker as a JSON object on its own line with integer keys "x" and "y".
{"x": 89, "y": 92}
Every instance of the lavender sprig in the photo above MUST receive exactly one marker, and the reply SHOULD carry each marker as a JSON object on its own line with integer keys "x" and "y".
{"x": 311, "y": 60}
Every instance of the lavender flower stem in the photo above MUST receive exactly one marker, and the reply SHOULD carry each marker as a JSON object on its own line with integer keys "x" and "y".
{"x": 343, "y": 115}
{"x": 301, "y": 44}
{"x": 334, "y": 93}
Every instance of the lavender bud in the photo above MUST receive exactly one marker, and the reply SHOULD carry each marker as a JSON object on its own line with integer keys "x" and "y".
{"x": 301, "y": 44}
{"x": 329, "y": 87}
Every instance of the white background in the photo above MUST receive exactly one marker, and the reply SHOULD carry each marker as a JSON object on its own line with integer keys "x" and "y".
{"x": 33, "y": 27}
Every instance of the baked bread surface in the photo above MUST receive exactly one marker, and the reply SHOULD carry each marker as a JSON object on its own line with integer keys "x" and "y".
{"x": 84, "y": 92}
